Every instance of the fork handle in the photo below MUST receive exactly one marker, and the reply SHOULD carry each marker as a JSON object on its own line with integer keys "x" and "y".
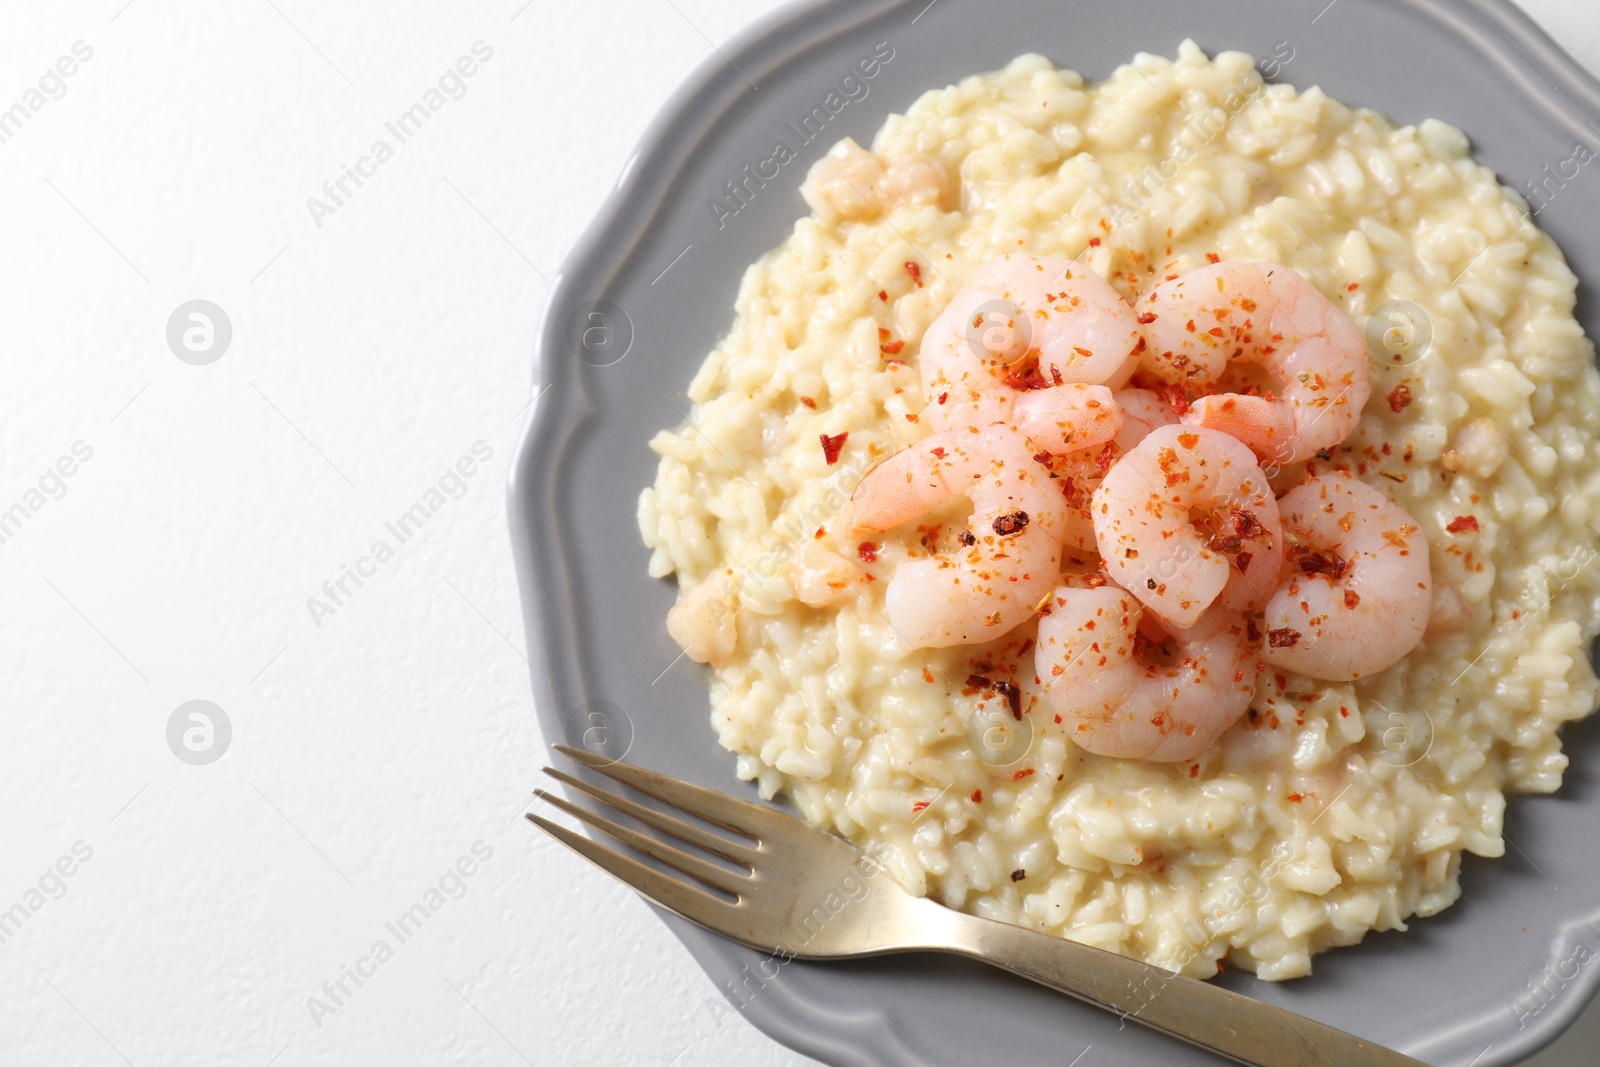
{"x": 1237, "y": 1027}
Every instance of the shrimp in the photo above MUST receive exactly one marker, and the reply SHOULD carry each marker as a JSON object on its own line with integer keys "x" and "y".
{"x": 1118, "y": 696}
{"x": 1011, "y": 552}
{"x": 1037, "y": 341}
{"x": 1080, "y": 473}
{"x": 1356, "y": 595}
{"x": 1208, "y": 323}
{"x": 1187, "y": 519}
{"x": 703, "y": 623}
{"x": 823, "y": 579}
{"x": 852, "y": 183}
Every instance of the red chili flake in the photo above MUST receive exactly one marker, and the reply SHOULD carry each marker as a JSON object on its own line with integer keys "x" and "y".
{"x": 1010, "y": 524}
{"x": 883, "y": 294}
{"x": 1188, "y": 440}
{"x": 1013, "y": 697}
{"x": 1147, "y": 318}
{"x": 1028, "y": 377}
{"x": 1107, "y": 456}
{"x": 967, "y": 538}
{"x": 930, "y": 539}
{"x": 1194, "y": 771}
{"x": 943, "y": 397}
{"x": 892, "y": 348}
{"x": 1245, "y": 523}
{"x": 822, "y": 531}
{"x": 868, "y": 551}
{"x": 1019, "y": 874}
{"x": 831, "y": 446}
{"x": 1224, "y": 542}
{"x": 1352, "y": 287}
{"x": 915, "y": 272}
{"x": 1351, "y": 598}
{"x": 911, "y": 416}
{"x": 1243, "y": 560}
{"x": 1212, "y": 257}
{"x": 1283, "y": 683}
{"x": 1020, "y": 775}
{"x": 1283, "y": 637}
{"x": 921, "y": 805}
{"x": 1008, "y": 690}
{"x": 1295, "y": 798}
{"x": 1094, "y": 242}
{"x": 1399, "y": 398}
{"x": 1177, "y": 398}
{"x": 1058, "y": 720}
{"x": 1320, "y": 562}
{"x": 808, "y": 402}
{"x": 977, "y": 796}
{"x": 1463, "y": 524}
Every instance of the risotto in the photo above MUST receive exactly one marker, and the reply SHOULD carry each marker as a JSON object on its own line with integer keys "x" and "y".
{"x": 1330, "y": 808}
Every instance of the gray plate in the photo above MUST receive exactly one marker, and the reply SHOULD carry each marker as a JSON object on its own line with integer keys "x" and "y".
{"x": 667, "y": 273}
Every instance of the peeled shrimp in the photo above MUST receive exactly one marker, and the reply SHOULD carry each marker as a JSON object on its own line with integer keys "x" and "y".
{"x": 1118, "y": 697}
{"x": 1036, "y": 341}
{"x": 703, "y": 623}
{"x": 1209, "y": 323}
{"x": 1356, "y": 595}
{"x": 1187, "y": 519}
{"x": 852, "y": 183}
{"x": 823, "y": 579}
{"x": 1011, "y": 551}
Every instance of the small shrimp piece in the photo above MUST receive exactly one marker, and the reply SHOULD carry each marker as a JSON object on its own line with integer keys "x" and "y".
{"x": 844, "y": 184}
{"x": 703, "y": 622}
{"x": 1009, "y": 556}
{"x": 1217, "y": 319}
{"x": 916, "y": 180}
{"x": 821, "y": 578}
{"x": 1117, "y": 695}
{"x": 852, "y": 183}
{"x": 1187, "y": 519}
{"x": 1356, "y": 595}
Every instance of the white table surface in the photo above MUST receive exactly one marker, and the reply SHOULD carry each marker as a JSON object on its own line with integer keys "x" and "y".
{"x": 380, "y": 739}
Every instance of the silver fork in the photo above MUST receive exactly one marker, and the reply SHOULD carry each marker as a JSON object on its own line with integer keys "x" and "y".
{"x": 788, "y": 888}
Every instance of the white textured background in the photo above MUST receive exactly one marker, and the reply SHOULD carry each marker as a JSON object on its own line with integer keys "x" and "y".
{"x": 371, "y": 752}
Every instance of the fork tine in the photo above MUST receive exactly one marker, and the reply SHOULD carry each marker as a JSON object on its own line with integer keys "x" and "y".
{"x": 693, "y": 904}
{"x": 695, "y": 867}
{"x": 716, "y": 844}
{"x": 740, "y": 816}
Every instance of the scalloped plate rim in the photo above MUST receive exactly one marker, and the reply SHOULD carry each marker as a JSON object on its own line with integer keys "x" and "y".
{"x": 630, "y": 208}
